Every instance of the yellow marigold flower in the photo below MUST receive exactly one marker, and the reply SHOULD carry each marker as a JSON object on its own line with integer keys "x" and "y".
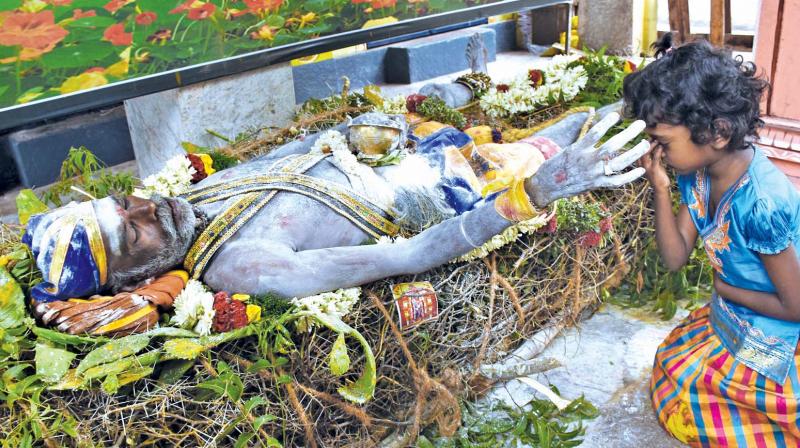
{"x": 253, "y": 313}
{"x": 33, "y": 6}
{"x": 4, "y": 260}
{"x": 29, "y": 96}
{"x": 241, "y": 297}
{"x": 266, "y": 32}
{"x": 378, "y": 22}
{"x": 118, "y": 69}
{"x": 208, "y": 163}
{"x": 83, "y": 81}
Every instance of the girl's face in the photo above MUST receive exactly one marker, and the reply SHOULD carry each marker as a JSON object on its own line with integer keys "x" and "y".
{"x": 679, "y": 151}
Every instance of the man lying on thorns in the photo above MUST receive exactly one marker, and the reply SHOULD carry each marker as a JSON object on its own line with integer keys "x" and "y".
{"x": 294, "y": 222}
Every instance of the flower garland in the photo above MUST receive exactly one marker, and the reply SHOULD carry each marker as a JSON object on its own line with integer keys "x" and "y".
{"x": 394, "y": 105}
{"x": 508, "y": 236}
{"x": 177, "y": 176}
{"x": 194, "y": 308}
{"x": 558, "y": 82}
{"x": 337, "y": 303}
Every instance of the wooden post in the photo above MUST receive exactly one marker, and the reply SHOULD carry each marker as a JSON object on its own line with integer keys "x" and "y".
{"x": 679, "y": 20}
{"x": 717, "y": 34}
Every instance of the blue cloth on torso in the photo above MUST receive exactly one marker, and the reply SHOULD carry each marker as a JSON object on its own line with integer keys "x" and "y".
{"x": 758, "y": 214}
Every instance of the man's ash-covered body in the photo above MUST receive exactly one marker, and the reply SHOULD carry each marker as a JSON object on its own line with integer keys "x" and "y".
{"x": 297, "y": 246}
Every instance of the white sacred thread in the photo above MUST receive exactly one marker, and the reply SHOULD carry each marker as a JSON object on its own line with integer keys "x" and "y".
{"x": 464, "y": 233}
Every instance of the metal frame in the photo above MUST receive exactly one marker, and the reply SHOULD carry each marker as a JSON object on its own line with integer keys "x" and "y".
{"x": 37, "y": 111}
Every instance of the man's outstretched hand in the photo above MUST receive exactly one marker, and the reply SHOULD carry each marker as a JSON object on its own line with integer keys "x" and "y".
{"x": 582, "y": 167}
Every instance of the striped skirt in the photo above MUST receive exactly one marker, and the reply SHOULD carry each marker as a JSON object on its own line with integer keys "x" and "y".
{"x": 705, "y": 397}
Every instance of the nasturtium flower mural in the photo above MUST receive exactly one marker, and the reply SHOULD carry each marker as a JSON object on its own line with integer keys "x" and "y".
{"x": 54, "y": 47}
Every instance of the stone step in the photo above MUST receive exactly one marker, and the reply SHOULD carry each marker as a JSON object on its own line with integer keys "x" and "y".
{"x": 38, "y": 152}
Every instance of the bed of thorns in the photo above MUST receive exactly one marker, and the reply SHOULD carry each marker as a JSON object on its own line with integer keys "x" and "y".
{"x": 487, "y": 308}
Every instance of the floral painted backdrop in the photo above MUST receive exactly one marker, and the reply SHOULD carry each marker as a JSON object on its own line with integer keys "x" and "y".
{"x": 53, "y": 47}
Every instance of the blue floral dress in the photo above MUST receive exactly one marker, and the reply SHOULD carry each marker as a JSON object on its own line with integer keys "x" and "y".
{"x": 727, "y": 376}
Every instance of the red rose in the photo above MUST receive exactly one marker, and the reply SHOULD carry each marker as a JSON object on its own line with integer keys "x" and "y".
{"x": 536, "y": 77}
{"x": 229, "y": 314}
{"x": 199, "y": 168}
{"x": 551, "y": 225}
{"x": 589, "y": 239}
{"x": 413, "y": 101}
{"x": 606, "y": 224}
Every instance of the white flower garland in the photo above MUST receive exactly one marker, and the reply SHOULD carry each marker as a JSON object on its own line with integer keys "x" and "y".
{"x": 337, "y": 303}
{"x": 394, "y": 105}
{"x": 560, "y": 82}
{"x": 173, "y": 180}
{"x": 194, "y": 308}
{"x": 508, "y": 236}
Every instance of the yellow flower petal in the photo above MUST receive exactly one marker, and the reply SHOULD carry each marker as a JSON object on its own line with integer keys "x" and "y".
{"x": 83, "y": 81}
{"x": 208, "y": 163}
{"x": 253, "y": 313}
{"x": 241, "y": 297}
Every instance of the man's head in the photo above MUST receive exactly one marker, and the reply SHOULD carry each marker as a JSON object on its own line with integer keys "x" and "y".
{"x": 109, "y": 243}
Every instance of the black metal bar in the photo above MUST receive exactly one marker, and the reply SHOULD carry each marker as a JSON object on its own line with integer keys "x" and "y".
{"x": 36, "y": 111}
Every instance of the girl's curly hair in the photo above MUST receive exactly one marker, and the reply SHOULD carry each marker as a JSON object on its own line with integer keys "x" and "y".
{"x": 700, "y": 87}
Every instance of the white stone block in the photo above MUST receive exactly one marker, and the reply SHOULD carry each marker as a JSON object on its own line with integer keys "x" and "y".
{"x": 159, "y": 122}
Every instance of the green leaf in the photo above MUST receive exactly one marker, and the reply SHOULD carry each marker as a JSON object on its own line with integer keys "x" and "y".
{"x": 67, "y": 339}
{"x": 191, "y": 348}
{"x": 284, "y": 379}
{"x": 361, "y": 390}
{"x": 338, "y": 361}
{"x": 29, "y": 204}
{"x": 114, "y": 350}
{"x": 253, "y": 402}
{"x": 259, "y": 365}
{"x": 77, "y": 56}
{"x": 12, "y": 301}
{"x": 423, "y": 442}
{"x": 70, "y": 381}
{"x": 260, "y": 420}
{"x": 172, "y": 371}
{"x": 8, "y": 5}
{"x": 243, "y": 439}
{"x": 132, "y": 375}
{"x": 111, "y": 384}
{"x": 52, "y": 363}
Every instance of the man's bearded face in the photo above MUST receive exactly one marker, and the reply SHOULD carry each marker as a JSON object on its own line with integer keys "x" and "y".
{"x": 144, "y": 238}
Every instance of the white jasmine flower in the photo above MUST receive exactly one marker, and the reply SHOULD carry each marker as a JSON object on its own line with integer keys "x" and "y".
{"x": 194, "y": 308}
{"x": 337, "y": 303}
{"x": 173, "y": 180}
{"x": 330, "y": 141}
{"x": 395, "y": 105}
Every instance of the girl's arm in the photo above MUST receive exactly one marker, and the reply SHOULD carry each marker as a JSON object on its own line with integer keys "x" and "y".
{"x": 784, "y": 271}
{"x": 675, "y": 236}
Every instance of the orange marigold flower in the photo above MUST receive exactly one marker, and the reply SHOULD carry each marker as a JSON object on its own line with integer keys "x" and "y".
{"x": 262, "y": 6}
{"x": 79, "y": 14}
{"x": 203, "y": 12}
{"x": 35, "y": 32}
{"x": 383, "y": 3}
{"x": 266, "y": 32}
{"x": 115, "y": 5}
{"x": 117, "y": 36}
{"x": 146, "y": 18}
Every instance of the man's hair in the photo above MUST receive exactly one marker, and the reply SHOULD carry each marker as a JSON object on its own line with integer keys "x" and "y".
{"x": 700, "y": 87}
{"x": 178, "y": 242}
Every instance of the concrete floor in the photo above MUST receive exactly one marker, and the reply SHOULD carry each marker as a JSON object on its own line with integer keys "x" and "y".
{"x": 608, "y": 359}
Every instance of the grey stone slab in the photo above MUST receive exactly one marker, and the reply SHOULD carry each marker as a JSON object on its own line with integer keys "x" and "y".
{"x": 433, "y": 56}
{"x": 161, "y": 121}
{"x": 504, "y": 35}
{"x": 38, "y": 152}
{"x": 323, "y": 79}
{"x": 608, "y": 23}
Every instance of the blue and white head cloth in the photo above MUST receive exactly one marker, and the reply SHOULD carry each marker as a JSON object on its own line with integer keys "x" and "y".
{"x": 69, "y": 250}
